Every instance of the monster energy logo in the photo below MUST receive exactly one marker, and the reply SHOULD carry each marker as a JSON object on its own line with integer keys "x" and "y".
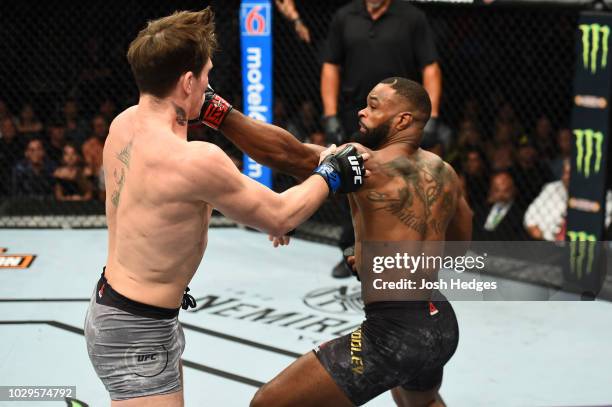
{"x": 584, "y": 150}
{"x": 582, "y": 252}
{"x": 591, "y": 44}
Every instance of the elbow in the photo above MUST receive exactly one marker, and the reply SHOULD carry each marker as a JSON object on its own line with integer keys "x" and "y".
{"x": 279, "y": 228}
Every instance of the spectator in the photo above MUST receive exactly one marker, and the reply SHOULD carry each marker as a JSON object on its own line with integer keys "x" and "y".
{"x": 29, "y": 125}
{"x": 502, "y": 158}
{"x": 76, "y": 127}
{"x": 530, "y": 173}
{"x": 546, "y": 216}
{"x": 94, "y": 145}
{"x": 471, "y": 110}
{"x": 544, "y": 138}
{"x": 476, "y": 177}
{"x": 469, "y": 136}
{"x": 506, "y": 115}
{"x": 5, "y": 113}
{"x": 108, "y": 109}
{"x": 56, "y": 141}
{"x": 11, "y": 151}
{"x": 33, "y": 177}
{"x": 564, "y": 148}
{"x": 397, "y": 42}
{"x": 71, "y": 181}
{"x": 503, "y": 218}
{"x": 500, "y": 150}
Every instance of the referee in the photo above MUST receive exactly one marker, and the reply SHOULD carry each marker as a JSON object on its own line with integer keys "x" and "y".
{"x": 370, "y": 40}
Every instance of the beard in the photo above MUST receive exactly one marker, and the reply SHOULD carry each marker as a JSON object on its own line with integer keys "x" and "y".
{"x": 373, "y": 137}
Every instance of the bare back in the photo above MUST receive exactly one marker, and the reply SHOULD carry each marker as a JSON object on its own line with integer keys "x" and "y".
{"x": 157, "y": 227}
{"x": 409, "y": 199}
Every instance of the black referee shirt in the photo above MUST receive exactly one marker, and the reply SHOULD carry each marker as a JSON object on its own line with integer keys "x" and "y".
{"x": 399, "y": 43}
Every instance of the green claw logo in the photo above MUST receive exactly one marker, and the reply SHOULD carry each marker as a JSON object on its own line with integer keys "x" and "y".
{"x": 582, "y": 247}
{"x": 585, "y": 139}
{"x": 591, "y": 42}
{"x": 70, "y": 402}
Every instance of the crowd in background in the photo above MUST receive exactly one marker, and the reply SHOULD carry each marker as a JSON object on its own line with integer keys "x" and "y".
{"x": 504, "y": 169}
{"x": 510, "y": 159}
{"x": 59, "y": 156}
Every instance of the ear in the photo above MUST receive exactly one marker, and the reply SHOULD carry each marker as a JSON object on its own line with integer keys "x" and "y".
{"x": 404, "y": 121}
{"x": 186, "y": 80}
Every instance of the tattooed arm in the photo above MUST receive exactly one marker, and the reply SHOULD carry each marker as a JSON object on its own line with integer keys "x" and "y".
{"x": 119, "y": 175}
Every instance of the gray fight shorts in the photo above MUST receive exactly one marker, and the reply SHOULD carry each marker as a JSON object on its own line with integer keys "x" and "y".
{"x": 135, "y": 348}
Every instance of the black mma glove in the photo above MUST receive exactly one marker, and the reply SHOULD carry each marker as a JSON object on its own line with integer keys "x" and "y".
{"x": 343, "y": 171}
{"x": 214, "y": 110}
{"x": 334, "y": 133}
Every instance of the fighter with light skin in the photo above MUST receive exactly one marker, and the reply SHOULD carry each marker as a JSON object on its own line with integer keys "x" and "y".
{"x": 161, "y": 193}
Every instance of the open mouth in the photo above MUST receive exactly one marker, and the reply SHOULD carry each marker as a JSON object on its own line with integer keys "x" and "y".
{"x": 362, "y": 128}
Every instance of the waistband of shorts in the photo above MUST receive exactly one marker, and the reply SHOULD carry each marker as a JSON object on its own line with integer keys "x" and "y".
{"x": 395, "y": 306}
{"x": 106, "y": 295}
{"x": 381, "y": 306}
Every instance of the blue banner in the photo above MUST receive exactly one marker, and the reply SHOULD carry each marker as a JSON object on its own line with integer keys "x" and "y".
{"x": 256, "y": 45}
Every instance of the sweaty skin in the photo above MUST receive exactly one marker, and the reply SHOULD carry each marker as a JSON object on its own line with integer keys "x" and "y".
{"x": 413, "y": 199}
{"x": 161, "y": 191}
{"x": 411, "y": 196}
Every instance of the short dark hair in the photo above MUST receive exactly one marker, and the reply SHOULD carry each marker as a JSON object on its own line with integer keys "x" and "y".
{"x": 170, "y": 46}
{"x": 413, "y": 93}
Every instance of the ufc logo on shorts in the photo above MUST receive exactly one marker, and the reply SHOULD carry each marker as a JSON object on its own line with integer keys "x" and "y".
{"x": 144, "y": 358}
{"x": 357, "y": 169}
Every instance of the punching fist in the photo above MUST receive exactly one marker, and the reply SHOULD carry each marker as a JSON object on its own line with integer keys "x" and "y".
{"x": 344, "y": 171}
{"x": 214, "y": 110}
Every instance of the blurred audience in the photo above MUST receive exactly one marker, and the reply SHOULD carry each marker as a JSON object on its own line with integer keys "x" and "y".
{"x": 56, "y": 139}
{"x": 94, "y": 145}
{"x": 11, "y": 150}
{"x": 544, "y": 138}
{"x": 71, "y": 181}
{"x": 476, "y": 176}
{"x": 529, "y": 172}
{"x": 5, "y": 112}
{"x": 564, "y": 150}
{"x": 500, "y": 150}
{"x": 108, "y": 109}
{"x": 546, "y": 216}
{"x": 522, "y": 165}
{"x": 76, "y": 126}
{"x": 503, "y": 216}
{"x": 29, "y": 125}
{"x": 33, "y": 176}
